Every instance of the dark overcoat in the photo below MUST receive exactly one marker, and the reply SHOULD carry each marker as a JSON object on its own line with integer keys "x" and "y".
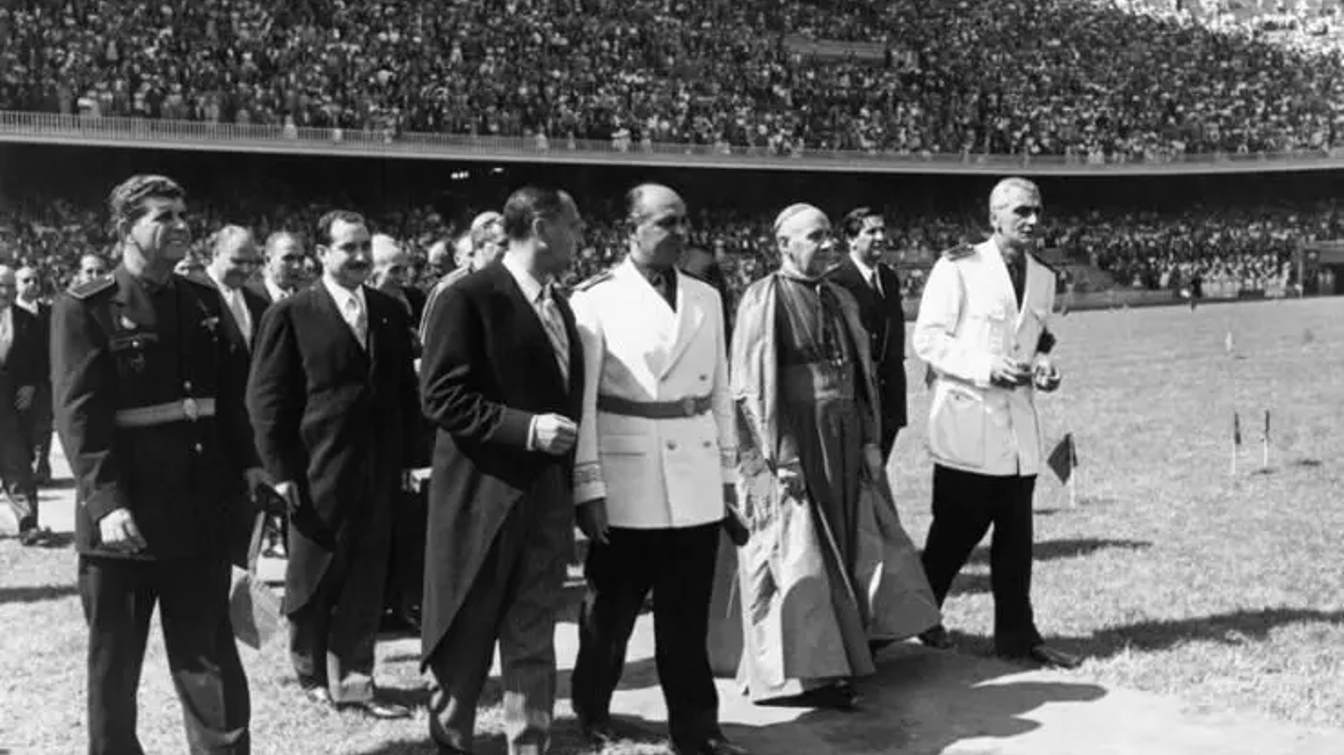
{"x": 481, "y": 384}
{"x": 339, "y": 421}
{"x": 884, "y": 320}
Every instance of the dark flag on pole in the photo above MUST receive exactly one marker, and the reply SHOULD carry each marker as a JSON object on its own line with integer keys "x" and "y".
{"x": 1236, "y": 429}
{"x": 1266, "y": 425}
{"x": 1064, "y": 458}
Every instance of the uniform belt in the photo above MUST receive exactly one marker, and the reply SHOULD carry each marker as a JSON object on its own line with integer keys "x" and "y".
{"x": 188, "y": 409}
{"x": 690, "y": 406}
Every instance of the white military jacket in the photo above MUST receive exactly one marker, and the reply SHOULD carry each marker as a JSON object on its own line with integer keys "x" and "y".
{"x": 654, "y": 473}
{"x": 968, "y": 318}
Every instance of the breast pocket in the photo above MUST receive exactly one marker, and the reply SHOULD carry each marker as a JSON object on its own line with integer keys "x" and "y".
{"x": 957, "y": 428}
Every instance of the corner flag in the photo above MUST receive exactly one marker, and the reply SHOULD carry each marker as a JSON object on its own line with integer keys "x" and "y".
{"x": 1064, "y": 458}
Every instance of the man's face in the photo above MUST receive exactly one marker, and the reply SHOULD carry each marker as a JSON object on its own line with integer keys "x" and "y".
{"x": 562, "y": 235}
{"x": 1017, "y": 218}
{"x": 491, "y": 246}
{"x": 871, "y": 242}
{"x": 160, "y": 232}
{"x": 26, "y": 280}
{"x": 807, "y": 243}
{"x": 235, "y": 260}
{"x": 6, "y": 287}
{"x": 660, "y": 231}
{"x": 392, "y": 271}
{"x": 349, "y": 257}
{"x": 284, "y": 262}
{"x": 91, "y": 268}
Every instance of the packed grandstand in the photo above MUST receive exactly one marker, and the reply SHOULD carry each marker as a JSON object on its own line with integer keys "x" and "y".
{"x": 1094, "y": 82}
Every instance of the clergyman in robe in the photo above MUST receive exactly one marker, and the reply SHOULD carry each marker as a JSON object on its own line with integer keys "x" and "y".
{"x": 828, "y": 574}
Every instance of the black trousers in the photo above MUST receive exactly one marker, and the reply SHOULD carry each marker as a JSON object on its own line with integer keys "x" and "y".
{"x": 965, "y": 505}
{"x": 36, "y": 423}
{"x": 678, "y": 566}
{"x": 406, "y": 556}
{"x": 119, "y": 596}
{"x": 16, "y": 468}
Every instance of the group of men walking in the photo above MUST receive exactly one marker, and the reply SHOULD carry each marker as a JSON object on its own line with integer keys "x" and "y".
{"x": 692, "y": 453}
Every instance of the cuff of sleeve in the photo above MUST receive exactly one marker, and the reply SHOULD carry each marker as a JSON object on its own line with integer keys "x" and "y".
{"x": 588, "y": 482}
{"x": 532, "y": 434}
{"x": 728, "y": 463}
{"x": 514, "y": 428}
{"x": 102, "y": 502}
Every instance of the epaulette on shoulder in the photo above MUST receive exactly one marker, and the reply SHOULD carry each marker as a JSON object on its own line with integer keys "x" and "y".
{"x": 960, "y": 251}
{"x": 89, "y": 288}
{"x": 593, "y": 280}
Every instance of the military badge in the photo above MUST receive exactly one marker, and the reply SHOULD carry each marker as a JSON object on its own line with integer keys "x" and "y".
{"x": 210, "y": 323}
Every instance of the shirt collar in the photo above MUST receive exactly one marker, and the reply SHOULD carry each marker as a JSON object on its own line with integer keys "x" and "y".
{"x": 865, "y": 270}
{"x": 531, "y": 287}
{"x": 342, "y": 294}
{"x": 275, "y": 291}
{"x": 219, "y": 282}
{"x": 30, "y": 306}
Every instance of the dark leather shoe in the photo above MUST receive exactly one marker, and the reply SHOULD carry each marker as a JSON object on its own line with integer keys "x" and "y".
{"x": 376, "y": 709}
{"x": 937, "y": 638}
{"x": 1047, "y": 656}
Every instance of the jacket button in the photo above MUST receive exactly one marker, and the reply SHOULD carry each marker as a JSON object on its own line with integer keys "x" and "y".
{"x": 199, "y": 448}
{"x": 671, "y": 445}
{"x": 706, "y": 444}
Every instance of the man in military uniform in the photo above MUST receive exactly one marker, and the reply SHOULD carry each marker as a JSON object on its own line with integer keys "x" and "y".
{"x": 161, "y": 450}
{"x": 982, "y": 331}
{"x": 655, "y": 468}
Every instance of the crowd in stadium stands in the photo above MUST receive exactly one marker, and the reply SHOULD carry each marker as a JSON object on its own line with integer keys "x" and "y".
{"x": 1093, "y": 80}
{"x": 1228, "y": 250}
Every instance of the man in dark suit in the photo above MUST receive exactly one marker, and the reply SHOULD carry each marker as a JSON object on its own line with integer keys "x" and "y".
{"x": 283, "y": 272}
{"x": 878, "y": 292}
{"x": 37, "y": 418}
{"x": 233, "y": 259}
{"x": 332, "y": 398}
{"x": 159, "y": 445}
{"x": 703, "y": 265}
{"x": 21, "y": 364}
{"x": 501, "y": 504}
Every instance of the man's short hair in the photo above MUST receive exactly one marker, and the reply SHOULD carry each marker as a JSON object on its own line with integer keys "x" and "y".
{"x": 480, "y": 227}
{"x": 125, "y": 203}
{"x": 328, "y": 219}
{"x": 789, "y": 212}
{"x": 275, "y": 237}
{"x": 526, "y": 205}
{"x": 852, "y": 223}
{"x": 998, "y": 197}
{"x": 224, "y": 235}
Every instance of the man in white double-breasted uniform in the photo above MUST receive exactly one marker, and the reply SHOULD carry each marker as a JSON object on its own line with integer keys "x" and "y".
{"x": 982, "y": 331}
{"x": 654, "y": 469}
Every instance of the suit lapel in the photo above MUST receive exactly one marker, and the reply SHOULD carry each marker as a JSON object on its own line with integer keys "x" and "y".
{"x": 326, "y": 304}
{"x": 576, "y": 365}
{"x": 689, "y": 317}
{"x": 531, "y": 333}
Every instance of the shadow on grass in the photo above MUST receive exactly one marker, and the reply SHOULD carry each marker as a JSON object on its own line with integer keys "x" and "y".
{"x": 919, "y": 701}
{"x": 1227, "y": 628}
{"x": 36, "y": 594}
{"x": 1054, "y": 550}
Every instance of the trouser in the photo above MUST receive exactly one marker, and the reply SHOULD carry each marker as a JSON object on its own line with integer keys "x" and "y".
{"x": 514, "y": 599}
{"x": 406, "y": 557}
{"x": 678, "y": 566}
{"x": 332, "y": 637}
{"x": 16, "y": 470}
{"x": 36, "y": 423}
{"x": 965, "y": 505}
{"x": 119, "y": 596}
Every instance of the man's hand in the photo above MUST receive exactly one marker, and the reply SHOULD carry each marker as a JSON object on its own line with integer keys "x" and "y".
{"x": 23, "y": 398}
{"x": 555, "y": 434}
{"x": 1007, "y": 372}
{"x": 290, "y": 493}
{"x": 872, "y": 461}
{"x": 118, "y": 532}
{"x": 1045, "y": 375}
{"x": 792, "y": 477}
{"x": 593, "y": 520}
{"x": 729, "y": 494}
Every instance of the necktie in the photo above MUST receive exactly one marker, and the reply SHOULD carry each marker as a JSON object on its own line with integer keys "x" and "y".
{"x": 875, "y": 280}
{"x": 1016, "y": 269}
{"x": 661, "y": 284}
{"x": 240, "y": 315}
{"x": 555, "y": 330}
{"x": 354, "y": 314}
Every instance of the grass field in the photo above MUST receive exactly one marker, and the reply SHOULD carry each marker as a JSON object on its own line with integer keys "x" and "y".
{"x": 1171, "y": 575}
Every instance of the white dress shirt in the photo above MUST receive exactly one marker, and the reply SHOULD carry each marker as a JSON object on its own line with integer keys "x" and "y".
{"x": 275, "y": 291}
{"x": 349, "y": 313}
{"x": 532, "y": 291}
{"x": 6, "y": 332}
{"x": 870, "y": 274}
{"x": 237, "y": 305}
